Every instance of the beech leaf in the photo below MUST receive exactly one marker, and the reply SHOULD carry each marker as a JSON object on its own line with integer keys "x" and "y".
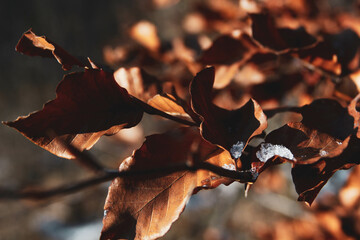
{"x": 144, "y": 207}
{"x": 88, "y": 105}
{"x": 326, "y": 115}
{"x": 230, "y": 129}
{"x": 310, "y": 178}
{"x": 33, "y": 45}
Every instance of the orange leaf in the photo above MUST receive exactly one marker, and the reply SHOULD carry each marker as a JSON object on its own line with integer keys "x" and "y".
{"x": 144, "y": 207}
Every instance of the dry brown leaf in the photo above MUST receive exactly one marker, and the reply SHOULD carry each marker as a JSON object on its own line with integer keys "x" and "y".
{"x": 144, "y": 207}
{"x": 33, "y": 45}
{"x": 87, "y": 106}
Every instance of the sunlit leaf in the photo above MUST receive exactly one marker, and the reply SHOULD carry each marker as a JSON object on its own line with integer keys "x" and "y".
{"x": 144, "y": 207}
{"x": 33, "y": 45}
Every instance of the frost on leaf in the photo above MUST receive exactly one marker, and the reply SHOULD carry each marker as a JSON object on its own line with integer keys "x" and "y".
{"x": 296, "y": 142}
{"x": 145, "y": 206}
{"x": 227, "y": 128}
{"x": 229, "y": 167}
{"x": 306, "y": 144}
{"x": 268, "y": 150}
{"x": 236, "y": 149}
{"x": 87, "y": 106}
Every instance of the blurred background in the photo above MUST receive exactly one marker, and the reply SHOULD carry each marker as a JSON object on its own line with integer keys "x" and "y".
{"x": 90, "y": 28}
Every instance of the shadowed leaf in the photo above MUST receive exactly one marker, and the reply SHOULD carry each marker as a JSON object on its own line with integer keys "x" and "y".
{"x": 87, "y": 105}
{"x": 229, "y": 129}
{"x": 309, "y": 179}
{"x": 326, "y": 115}
{"x": 334, "y": 53}
{"x": 265, "y": 31}
{"x": 144, "y": 207}
{"x": 227, "y": 50}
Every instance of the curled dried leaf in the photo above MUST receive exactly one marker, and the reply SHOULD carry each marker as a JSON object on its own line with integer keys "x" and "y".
{"x": 33, "y": 45}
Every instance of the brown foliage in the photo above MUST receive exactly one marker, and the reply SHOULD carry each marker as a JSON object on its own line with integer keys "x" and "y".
{"x": 146, "y": 206}
{"x": 278, "y": 55}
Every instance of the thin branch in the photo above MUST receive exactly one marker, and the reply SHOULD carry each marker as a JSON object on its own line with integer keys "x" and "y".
{"x": 154, "y": 111}
{"x": 62, "y": 190}
{"x": 335, "y": 78}
{"x": 242, "y": 176}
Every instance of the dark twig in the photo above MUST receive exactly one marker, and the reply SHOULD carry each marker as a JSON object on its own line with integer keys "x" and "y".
{"x": 242, "y": 176}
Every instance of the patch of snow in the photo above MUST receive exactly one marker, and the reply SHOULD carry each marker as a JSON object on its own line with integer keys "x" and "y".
{"x": 229, "y": 167}
{"x": 236, "y": 149}
{"x": 268, "y": 150}
{"x": 105, "y": 213}
{"x": 323, "y": 153}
